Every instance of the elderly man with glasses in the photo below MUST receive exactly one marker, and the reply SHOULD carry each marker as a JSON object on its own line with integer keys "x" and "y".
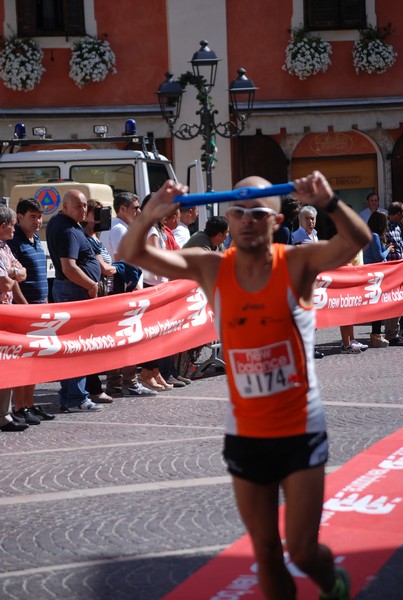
{"x": 124, "y": 381}
{"x": 306, "y": 233}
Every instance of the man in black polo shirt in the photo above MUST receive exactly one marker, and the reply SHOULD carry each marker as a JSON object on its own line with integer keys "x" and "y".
{"x": 78, "y": 272}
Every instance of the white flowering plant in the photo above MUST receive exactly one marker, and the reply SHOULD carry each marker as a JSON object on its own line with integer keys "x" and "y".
{"x": 306, "y": 55}
{"x": 371, "y": 53}
{"x": 21, "y": 64}
{"x": 92, "y": 59}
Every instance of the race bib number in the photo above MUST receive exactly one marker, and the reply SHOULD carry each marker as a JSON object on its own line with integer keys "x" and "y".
{"x": 263, "y": 371}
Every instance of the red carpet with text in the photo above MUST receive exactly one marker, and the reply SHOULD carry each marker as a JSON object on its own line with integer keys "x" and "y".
{"x": 362, "y": 523}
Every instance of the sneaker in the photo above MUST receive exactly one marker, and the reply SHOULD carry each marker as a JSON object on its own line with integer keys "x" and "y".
{"x": 350, "y": 349}
{"x": 184, "y": 380}
{"x": 13, "y": 426}
{"x": 175, "y": 382}
{"x": 28, "y": 416}
{"x": 16, "y": 419}
{"x": 355, "y": 344}
{"x": 341, "y": 588}
{"x": 137, "y": 389}
{"x": 39, "y": 412}
{"x": 397, "y": 341}
{"x": 114, "y": 393}
{"x": 89, "y": 405}
{"x": 101, "y": 398}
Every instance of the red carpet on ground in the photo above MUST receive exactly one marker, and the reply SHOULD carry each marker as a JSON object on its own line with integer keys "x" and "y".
{"x": 362, "y": 523}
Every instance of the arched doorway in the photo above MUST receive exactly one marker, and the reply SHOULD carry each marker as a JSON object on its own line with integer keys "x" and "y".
{"x": 259, "y": 155}
{"x": 397, "y": 171}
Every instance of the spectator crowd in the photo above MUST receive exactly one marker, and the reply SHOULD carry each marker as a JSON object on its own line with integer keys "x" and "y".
{"x": 87, "y": 265}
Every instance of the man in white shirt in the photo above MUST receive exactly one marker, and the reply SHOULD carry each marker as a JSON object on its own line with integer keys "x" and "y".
{"x": 127, "y": 207}
{"x": 373, "y": 205}
{"x": 181, "y": 232}
{"x": 306, "y": 233}
{"x": 123, "y": 382}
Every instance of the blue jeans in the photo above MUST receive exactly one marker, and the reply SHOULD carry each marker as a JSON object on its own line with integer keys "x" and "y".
{"x": 67, "y": 291}
{"x": 72, "y": 391}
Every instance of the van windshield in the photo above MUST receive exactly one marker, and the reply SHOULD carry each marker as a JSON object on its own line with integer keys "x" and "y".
{"x": 25, "y": 176}
{"x": 119, "y": 177}
{"x": 157, "y": 175}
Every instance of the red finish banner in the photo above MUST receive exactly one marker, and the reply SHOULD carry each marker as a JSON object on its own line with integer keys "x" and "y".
{"x": 352, "y": 295}
{"x": 47, "y": 342}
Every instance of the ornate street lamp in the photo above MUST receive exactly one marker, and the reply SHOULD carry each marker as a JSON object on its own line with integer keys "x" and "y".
{"x": 241, "y": 91}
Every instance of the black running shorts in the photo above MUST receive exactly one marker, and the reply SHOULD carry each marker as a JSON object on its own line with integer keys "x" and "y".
{"x": 265, "y": 460}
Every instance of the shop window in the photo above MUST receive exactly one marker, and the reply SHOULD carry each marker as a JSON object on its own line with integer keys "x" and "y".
{"x": 50, "y": 18}
{"x": 334, "y": 14}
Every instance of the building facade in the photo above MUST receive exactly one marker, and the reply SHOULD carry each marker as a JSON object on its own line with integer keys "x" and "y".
{"x": 347, "y": 124}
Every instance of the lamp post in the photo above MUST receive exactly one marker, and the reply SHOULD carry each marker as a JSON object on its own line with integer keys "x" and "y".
{"x": 241, "y": 91}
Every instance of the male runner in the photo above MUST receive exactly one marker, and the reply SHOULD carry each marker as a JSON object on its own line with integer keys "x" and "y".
{"x": 261, "y": 294}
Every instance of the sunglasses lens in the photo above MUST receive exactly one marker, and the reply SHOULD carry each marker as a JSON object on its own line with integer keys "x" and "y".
{"x": 237, "y": 212}
{"x": 258, "y": 214}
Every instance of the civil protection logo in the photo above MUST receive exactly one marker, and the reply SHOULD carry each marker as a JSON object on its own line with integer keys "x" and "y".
{"x": 49, "y": 198}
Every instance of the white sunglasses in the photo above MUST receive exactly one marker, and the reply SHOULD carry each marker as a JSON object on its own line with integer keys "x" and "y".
{"x": 256, "y": 214}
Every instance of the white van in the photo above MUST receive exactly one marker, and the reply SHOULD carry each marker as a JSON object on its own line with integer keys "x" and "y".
{"x": 139, "y": 168}
{"x": 140, "y": 171}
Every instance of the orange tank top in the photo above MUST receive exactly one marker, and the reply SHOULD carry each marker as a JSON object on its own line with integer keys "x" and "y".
{"x": 268, "y": 346}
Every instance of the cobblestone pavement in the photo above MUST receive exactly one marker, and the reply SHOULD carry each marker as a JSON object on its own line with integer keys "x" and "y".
{"x": 126, "y": 503}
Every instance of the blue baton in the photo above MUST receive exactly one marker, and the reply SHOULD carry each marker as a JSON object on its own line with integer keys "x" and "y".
{"x": 246, "y": 193}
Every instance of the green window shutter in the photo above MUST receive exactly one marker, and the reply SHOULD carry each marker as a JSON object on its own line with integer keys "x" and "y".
{"x": 335, "y": 14}
{"x": 26, "y": 18}
{"x": 74, "y": 22}
{"x": 353, "y": 14}
{"x": 321, "y": 14}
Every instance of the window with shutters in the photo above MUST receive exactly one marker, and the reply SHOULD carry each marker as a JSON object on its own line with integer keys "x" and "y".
{"x": 334, "y": 14}
{"x": 50, "y": 18}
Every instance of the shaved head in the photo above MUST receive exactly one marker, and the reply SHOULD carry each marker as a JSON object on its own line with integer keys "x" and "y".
{"x": 259, "y": 182}
{"x": 75, "y": 205}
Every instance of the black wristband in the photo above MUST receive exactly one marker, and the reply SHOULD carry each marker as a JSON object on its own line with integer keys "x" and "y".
{"x": 331, "y": 207}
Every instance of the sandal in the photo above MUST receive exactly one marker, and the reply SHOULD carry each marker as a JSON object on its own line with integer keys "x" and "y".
{"x": 151, "y": 384}
{"x": 161, "y": 381}
{"x": 147, "y": 379}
